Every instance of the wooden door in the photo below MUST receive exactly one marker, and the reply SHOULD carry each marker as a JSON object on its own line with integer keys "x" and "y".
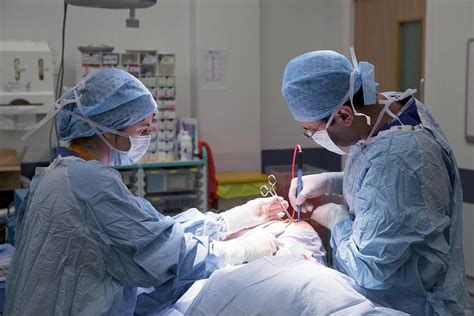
{"x": 390, "y": 35}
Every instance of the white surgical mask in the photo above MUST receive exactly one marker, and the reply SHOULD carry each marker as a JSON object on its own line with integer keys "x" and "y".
{"x": 323, "y": 139}
{"x": 138, "y": 147}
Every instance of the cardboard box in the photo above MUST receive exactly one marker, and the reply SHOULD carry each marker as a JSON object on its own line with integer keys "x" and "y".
{"x": 9, "y": 170}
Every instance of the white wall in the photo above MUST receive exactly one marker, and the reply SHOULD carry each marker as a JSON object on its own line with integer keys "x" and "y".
{"x": 449, "y": 25}
{"x": 446, "y": 76}
{"x": 164, "y": 26}
{"x": 288, "y": 29}
{"x": 230, "y": 119}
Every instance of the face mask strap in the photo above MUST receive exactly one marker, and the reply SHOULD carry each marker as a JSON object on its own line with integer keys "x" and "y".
{"x": 331, "y": 118}
{"x": 352, "y": 80}
{"x": 355, "y": 64}
{"x": 38, "y": 125}
{"x": 407, "y": 93}
{"x": 379, "y": 118}
{"x": 58, "y": 106}
{"x": 386, "y": 109}
{"x": 94, "y": 125}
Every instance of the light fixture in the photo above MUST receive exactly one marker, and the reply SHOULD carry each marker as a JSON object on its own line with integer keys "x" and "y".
{"x": 116, "y": 4}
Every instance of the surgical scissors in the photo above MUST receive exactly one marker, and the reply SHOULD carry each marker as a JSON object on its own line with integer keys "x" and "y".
{"x": 265, "y": 191}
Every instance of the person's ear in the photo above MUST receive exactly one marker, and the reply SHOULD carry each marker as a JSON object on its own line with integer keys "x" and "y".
{"x": 344, "y": 116}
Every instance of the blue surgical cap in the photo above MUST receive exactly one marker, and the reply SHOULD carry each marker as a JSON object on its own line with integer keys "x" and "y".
{"x": 112, "y": 98}
{"x": 316, "y": 83}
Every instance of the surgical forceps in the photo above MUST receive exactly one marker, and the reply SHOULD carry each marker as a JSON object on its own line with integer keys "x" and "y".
{"x": 265, "y": 191}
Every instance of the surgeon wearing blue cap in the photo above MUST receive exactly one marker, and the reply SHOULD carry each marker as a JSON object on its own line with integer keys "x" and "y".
{"x": 399, "y": 233}
{"x": 85, "y": 243}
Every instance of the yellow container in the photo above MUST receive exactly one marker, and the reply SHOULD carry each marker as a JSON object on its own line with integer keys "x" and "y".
{"x": 236, "y": 188}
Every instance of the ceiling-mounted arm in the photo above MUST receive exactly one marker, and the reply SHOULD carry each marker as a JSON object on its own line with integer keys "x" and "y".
{"x": 131, "y": 21}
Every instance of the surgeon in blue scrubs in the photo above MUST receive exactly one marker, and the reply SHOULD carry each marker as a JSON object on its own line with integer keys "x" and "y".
{"x": 85, "y": 243}
{"x": 399, "y": 233}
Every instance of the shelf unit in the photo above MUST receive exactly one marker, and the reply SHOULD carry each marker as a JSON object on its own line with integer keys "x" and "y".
{"x": 171, "y": 187}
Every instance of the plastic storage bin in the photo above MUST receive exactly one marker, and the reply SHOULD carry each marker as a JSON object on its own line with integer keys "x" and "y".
{"x": 173, "y": 204}
{"x": 166, "y": 64}
{"x": 175, "y": 185}
{"x": 171, "y": 180}
{"x": 130, "y": 178}
{"x": 182, "y": 179}
{"x": 236, "y": 188}
{"x": 155, "y": 180}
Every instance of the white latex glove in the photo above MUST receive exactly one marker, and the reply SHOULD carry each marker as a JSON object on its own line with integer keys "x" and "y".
{"x": 329, "y": 214}
{"x": 253, "y": 213}
{"x": 315, "y": 185}
{"x": 252, "y": 246}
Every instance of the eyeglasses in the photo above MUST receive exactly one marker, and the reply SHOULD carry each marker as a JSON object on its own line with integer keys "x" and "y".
{"x": 308, "y": 133}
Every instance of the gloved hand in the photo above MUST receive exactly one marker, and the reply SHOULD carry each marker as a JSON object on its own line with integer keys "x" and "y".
{"x": 252, "y": 246}
{"x": 329, "y": 214}
{"x": 315, "y": 185}
{"x": 253, "y": 213}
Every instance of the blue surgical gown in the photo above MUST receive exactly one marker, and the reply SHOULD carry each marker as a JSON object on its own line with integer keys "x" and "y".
{"x": 402, "y": 240}
{"x": 85, "y": 242}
